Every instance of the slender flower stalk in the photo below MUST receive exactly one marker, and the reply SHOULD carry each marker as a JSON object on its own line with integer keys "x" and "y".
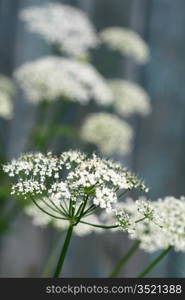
{"x": 154, "y": 262}
{"x": 51, "y": 261}
{"x": 50, "y": 127}
{"x": 100, "y": 226}
{"x": 63, "y": 252}
{"x": 119, "y": 267}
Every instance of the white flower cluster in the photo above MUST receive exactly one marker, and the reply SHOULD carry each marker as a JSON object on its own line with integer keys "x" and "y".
{"x": 105, "y": 198}
{"x": 129, "y": 98}
{"x": 70, "y": 179}
{"x": 163, "y": 226}
{"x": 109, "y": 133}
{"x": 51, "y": 78}
{"x": 127, "y": 42}
{"x": 38, "y": 166}
{"x": 6, "y": 93}
{"x": 62, "y": 25}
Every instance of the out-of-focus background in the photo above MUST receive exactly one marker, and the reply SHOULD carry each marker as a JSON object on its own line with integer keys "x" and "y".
{"x": 159, "y": 142}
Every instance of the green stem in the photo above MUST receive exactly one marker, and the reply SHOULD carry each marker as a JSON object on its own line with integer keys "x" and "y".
{"x": 63, "y": 252}
{"x": 52, "y": 259}
{"x": 123, "y": 193}
{"x": 124, "y": 260}
{"x": 82, "y": 209}
{"x": 99, "y": 226}
{"x": 50, "y": 119}
{"x": 140, "y": 220}
{"x": 154, "y": 263}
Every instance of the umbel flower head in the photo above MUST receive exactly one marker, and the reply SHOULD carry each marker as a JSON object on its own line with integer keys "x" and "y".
{"x": 129, "y": 98}
{"x": 127, "y": 42}
{"x": 110, "y": 134}
{"x": 6, "y": 93}
{"x": 51, "y": 78}
{"x": 164, "y": 223}
{"x": 72, "y": 186}
{"x": 62, "y": 25}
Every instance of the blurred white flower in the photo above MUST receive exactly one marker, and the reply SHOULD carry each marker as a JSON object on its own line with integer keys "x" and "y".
{"x": 168, "y": 227}
{"x": 62, "y": 25}
{"x": 38, "y": 217}
{"x": 173, "y": 212}
{"x": 129, "y": 98}
{"x": 6, "y": 93}
{"x": 127, "y": 42}
{"x": 108, "y": 133}
{"x": 51, "y": 78}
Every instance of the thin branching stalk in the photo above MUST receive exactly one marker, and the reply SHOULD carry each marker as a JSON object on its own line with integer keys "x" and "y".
{"x": 154, "y": 263}
{"x": 99, "y": 226}
{"x": 140, "y": 220}
{"x": 46, "y": 212}
{"x": 119, "y": 267}
{"x": 123, "y": 193}
{"x": 54, "y": 207}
